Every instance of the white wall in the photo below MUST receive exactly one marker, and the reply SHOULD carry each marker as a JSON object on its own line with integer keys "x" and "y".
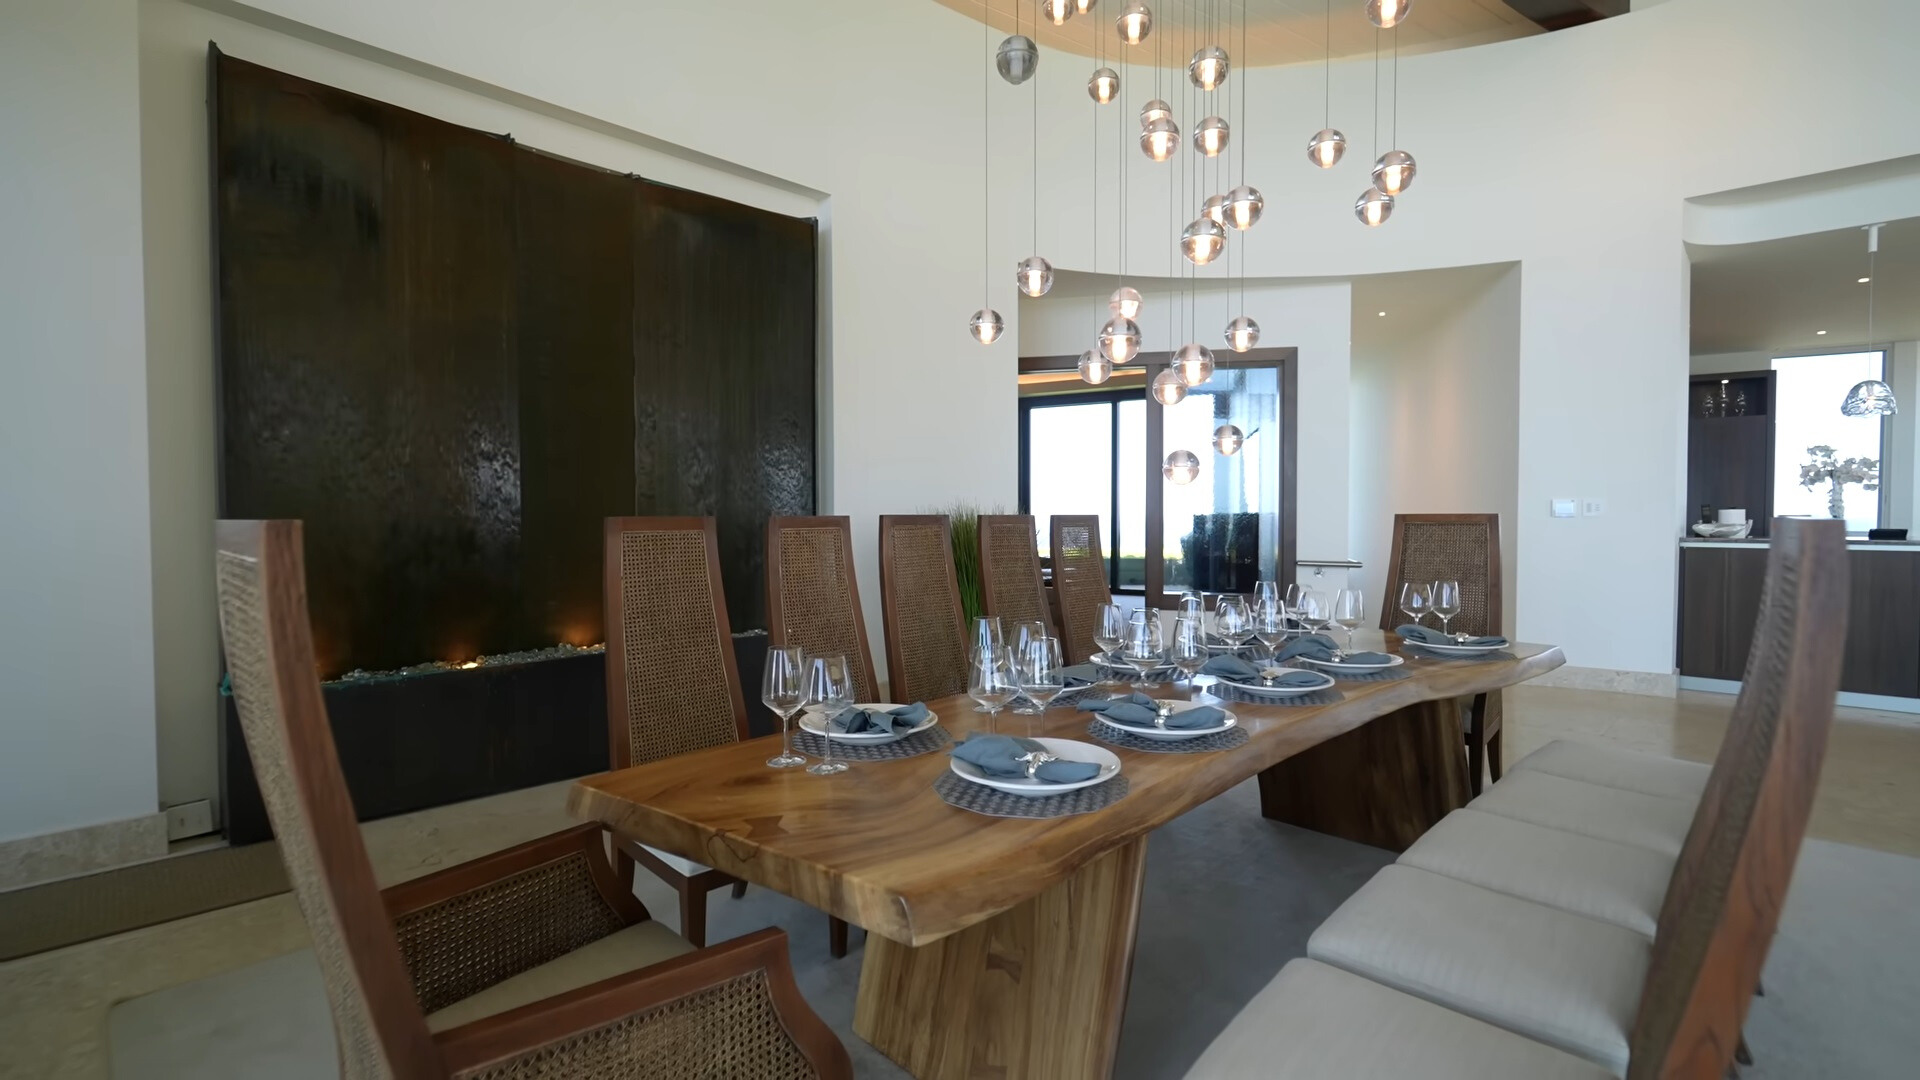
{"x": 76, "y": 575}
{"x": 1437, "y": 402}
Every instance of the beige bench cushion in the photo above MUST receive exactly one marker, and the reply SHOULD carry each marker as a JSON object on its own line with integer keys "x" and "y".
{"x": 618, "y": 953}
{"x": 1628, "y": 770}
{"x": 1616, "y": 883}
{"x": 1315, "y": 1022}
{"x": 1545, "y": 974}
{"x": 1653, "y": 822}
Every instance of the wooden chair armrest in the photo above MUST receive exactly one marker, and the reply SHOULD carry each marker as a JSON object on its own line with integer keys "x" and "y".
{"x": 467, "y": 927}
{"x": 731, "y": 1009}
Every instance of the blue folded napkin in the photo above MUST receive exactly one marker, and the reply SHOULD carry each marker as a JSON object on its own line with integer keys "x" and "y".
{"x": 998, "y": 756}
{"x": 1081, "y": 674}
{"x": 1292, "y": 678}
{"x": 1427, "y": 635}
{"x": 1230, "y": 667}
{"x": 1321, "y": 647}
{"x": 1139, "y": 710}
{"x": 896, "y": 721}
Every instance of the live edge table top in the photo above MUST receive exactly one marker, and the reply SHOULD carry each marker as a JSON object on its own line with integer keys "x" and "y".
{"x": 877, "y": 847}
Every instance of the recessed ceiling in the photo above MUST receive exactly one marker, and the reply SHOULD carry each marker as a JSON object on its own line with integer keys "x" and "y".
{"x": 1277, "y": 31}
{"x": 1778, "y": 294}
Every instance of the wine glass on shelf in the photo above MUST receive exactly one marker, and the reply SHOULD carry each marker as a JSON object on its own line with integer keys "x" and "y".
{"x": 1349, "y": 610}
{"x": 990, "y": 681}
{"x": 1270, "y": 626}
{"x": 986, "y": 636}
{"x": 1189, "y": 648}
{"x": 1446, "y": 603}
{"x": 1041, "y": 672}
{"x": 830, "y": 692}
{"x": 1024, "y": 634}
{"x": 1109, "y": 632}
{"x": 1415, "y": 601}
{"x": 1233, "y": 620}
{"x": 783, "y": 690}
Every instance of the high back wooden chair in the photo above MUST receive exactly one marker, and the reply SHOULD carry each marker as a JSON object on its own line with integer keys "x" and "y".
{"x": 1463, "y": 548}
{"x": 813, "y": 600}
{"x": 1079, "y": 582}
{"x": 498, "y": 967}
{"x": 1729, "y": 885}
{"x": 925, "y": 625}
{"x": 673, "y": 686}
{"x": 1010, "y": 584}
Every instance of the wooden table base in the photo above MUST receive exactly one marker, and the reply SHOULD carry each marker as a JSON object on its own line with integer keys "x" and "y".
{"x": 1384, "y": 783}
{"x": 1036, "y": 991}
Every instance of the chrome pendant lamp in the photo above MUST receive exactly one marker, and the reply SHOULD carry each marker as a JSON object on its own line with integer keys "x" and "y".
{"x": 986, "y": 325}
{"x": 1870, "y": 397}
{"x": 1327, "y": 145}
{"x": 1182, "y": 467}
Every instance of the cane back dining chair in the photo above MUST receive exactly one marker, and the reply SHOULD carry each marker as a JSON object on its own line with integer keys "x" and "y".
{"x": 1079, "y": 582}
{"x": 813, "y": 603}
{"x": 531, "y": 962}
{"x": 920, "y": 611}
{"x": 1010, "y": 584}
{"x": 672, "y": 682}
{"x": 1463, "y": 548}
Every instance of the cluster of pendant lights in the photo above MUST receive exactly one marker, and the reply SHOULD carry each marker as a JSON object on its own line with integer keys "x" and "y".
{"x": 1392, "y": 171}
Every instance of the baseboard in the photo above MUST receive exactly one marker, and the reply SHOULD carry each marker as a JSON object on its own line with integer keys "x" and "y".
{"x": 1644, "y": 683}
{"x": 32, "y": 860}
{"x": 1901, "y": 711}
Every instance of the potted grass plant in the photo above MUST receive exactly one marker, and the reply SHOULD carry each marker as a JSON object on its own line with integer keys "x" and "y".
{"x": 965, "y": 518}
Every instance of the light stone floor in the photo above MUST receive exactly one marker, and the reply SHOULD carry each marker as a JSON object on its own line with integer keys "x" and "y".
{"x": 54, "y": 1006}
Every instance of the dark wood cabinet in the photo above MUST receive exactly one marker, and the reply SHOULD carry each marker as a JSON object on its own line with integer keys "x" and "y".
{"x": 1720, "y": 591}
{"x": 1730, "y": 445}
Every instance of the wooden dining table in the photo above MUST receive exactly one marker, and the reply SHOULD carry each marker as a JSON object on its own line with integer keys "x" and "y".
{"x": 1002, "y": 946}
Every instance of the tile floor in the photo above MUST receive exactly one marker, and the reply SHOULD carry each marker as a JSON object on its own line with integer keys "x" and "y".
{"x": 54, "y": 1006}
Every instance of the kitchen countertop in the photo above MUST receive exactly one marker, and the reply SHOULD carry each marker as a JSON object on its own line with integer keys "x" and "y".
{"x": 1761, "y": 541}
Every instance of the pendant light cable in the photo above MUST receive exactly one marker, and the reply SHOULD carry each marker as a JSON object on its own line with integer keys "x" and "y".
{"x": 986, "y": 158}
{"x": 1326, "y": 78}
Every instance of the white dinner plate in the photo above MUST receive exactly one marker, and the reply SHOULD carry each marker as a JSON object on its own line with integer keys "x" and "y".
{"x": 1111, "y": 661}
{"x": 1218, "y": 647}
{"x": 1458, "y": 650}
{"x": 810, "y": 720}
{"x": 1063, "y": 749}
{"x": 1353, "y": 669}
{"x": 1178, "y": 734}
{"x": 1257, "y": 687}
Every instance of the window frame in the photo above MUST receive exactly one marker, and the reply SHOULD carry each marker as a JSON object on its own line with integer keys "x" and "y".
{"x": 1112, "y": 399}
{"x": 1882, "y": 503}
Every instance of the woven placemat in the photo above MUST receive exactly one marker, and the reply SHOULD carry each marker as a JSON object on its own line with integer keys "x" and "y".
{"x": 1389, "y": 675}
{"x": 1411, "y": 649}
{"x": 1230, "y": 739}
{"x": 926, "y": 742}
{"x": 1249, "y": 697}
{"x": 993, "y": 802}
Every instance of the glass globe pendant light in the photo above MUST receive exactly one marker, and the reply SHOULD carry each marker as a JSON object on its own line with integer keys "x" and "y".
{"x": 1155, "y": 110}
{"x": 1182, "y": 467}
{"x": 1120, "y": 339}
{"x": 1326, "y": 147}
{"x": 1202, "y": 242}
{"x": 986, "y": 326}
{"x": 1215, "y": 210}
{"x": 1083, "y": 6}
{"x": 1125, "y": 302}
{"x": 1393, "y": 173}
{"x": 1242, "y": 334}
{"x": 1104, "y": 86}
{"x": 1017, "y": 59}
{"x": 1094, "y": 368}
{"x": 1169, "y": 388}
{"x": 1194, "y": 362}
{"x": 1034, "y": 275}
{"x": 1058, "y": 11}
{"x": 1373, "y": 207}
{"x": 1208, "y": 68}
{"x": 1244, "y": 206}
{"x": 1210, "y": 137}
{"x": 1870, "y": 397}
{"x": 1227, "y": 439}
{"x": 1159, "y": 139}
{"x": 1135, "y": 23}
{"x": 1387, "y": 14}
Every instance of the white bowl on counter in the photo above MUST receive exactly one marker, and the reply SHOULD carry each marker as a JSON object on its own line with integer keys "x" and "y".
{"x": 1724, "y": 532}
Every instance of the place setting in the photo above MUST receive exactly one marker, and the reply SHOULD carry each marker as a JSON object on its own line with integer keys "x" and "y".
{"x": 1321, "y": 653}
{"x": 1267, "y": 682}
{"x": 872, "y": 731}
{"x": 1442, "y": 599}
{"x": 1009, "y": 776}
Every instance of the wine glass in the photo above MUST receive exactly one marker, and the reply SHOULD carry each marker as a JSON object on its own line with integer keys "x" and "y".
{"x": 1314, "y": 611}
{"x": 1110, "y": 632}
{"x": 1446, "y": 603}
{"x": 1041, "y": 672}
{"x": 830, "y": 692}
{"x": 990, "y": 681}
{"x": 1349, "y": 610}
{"x": 1265, "y": 592}
{"x": 1290, "y": 601}
{"x": 1189, "y": 649}
{"x": 986, "y": 635}
{"x": 1233, "y": 620}
{"x": 1024, "y": 634}
{"x": 1145, "y": 643}
{"x": 1270, "y": 626}
{"x": 783, "y": 690}
{"x": 1415, "y": 601}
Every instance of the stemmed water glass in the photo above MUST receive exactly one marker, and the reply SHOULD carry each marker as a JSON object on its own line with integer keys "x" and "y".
{"x": 830, "y": 691}
{"x": 1349, "y": 610}
{"x": 1270, "y": 625}
{"x": 1232, "y": 620}
{"x": 783, "y": 690}
{"x": 1024, "y": 634}
{"x": 1265, "y": 592}
{"x": 986, "y": 637}
{"x": 990, "y": 681}
{"x": 1314, "y": 612}
{"x": 1446, "y": 603}
{"x": 1041, "y": 672}
{"x": 1415, "y": 601}
{"x": 1290, "y": 601}
{"x": 1189, "y": 649}
{"x": 1145, "y": 644}
{"x": 1110, "y": 632}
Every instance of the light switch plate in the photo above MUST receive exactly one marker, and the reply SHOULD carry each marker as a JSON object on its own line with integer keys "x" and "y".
{"x": 189, "y": 819}
{"x": 1564, "y": 508}
{"x": 1592, "y": 507}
